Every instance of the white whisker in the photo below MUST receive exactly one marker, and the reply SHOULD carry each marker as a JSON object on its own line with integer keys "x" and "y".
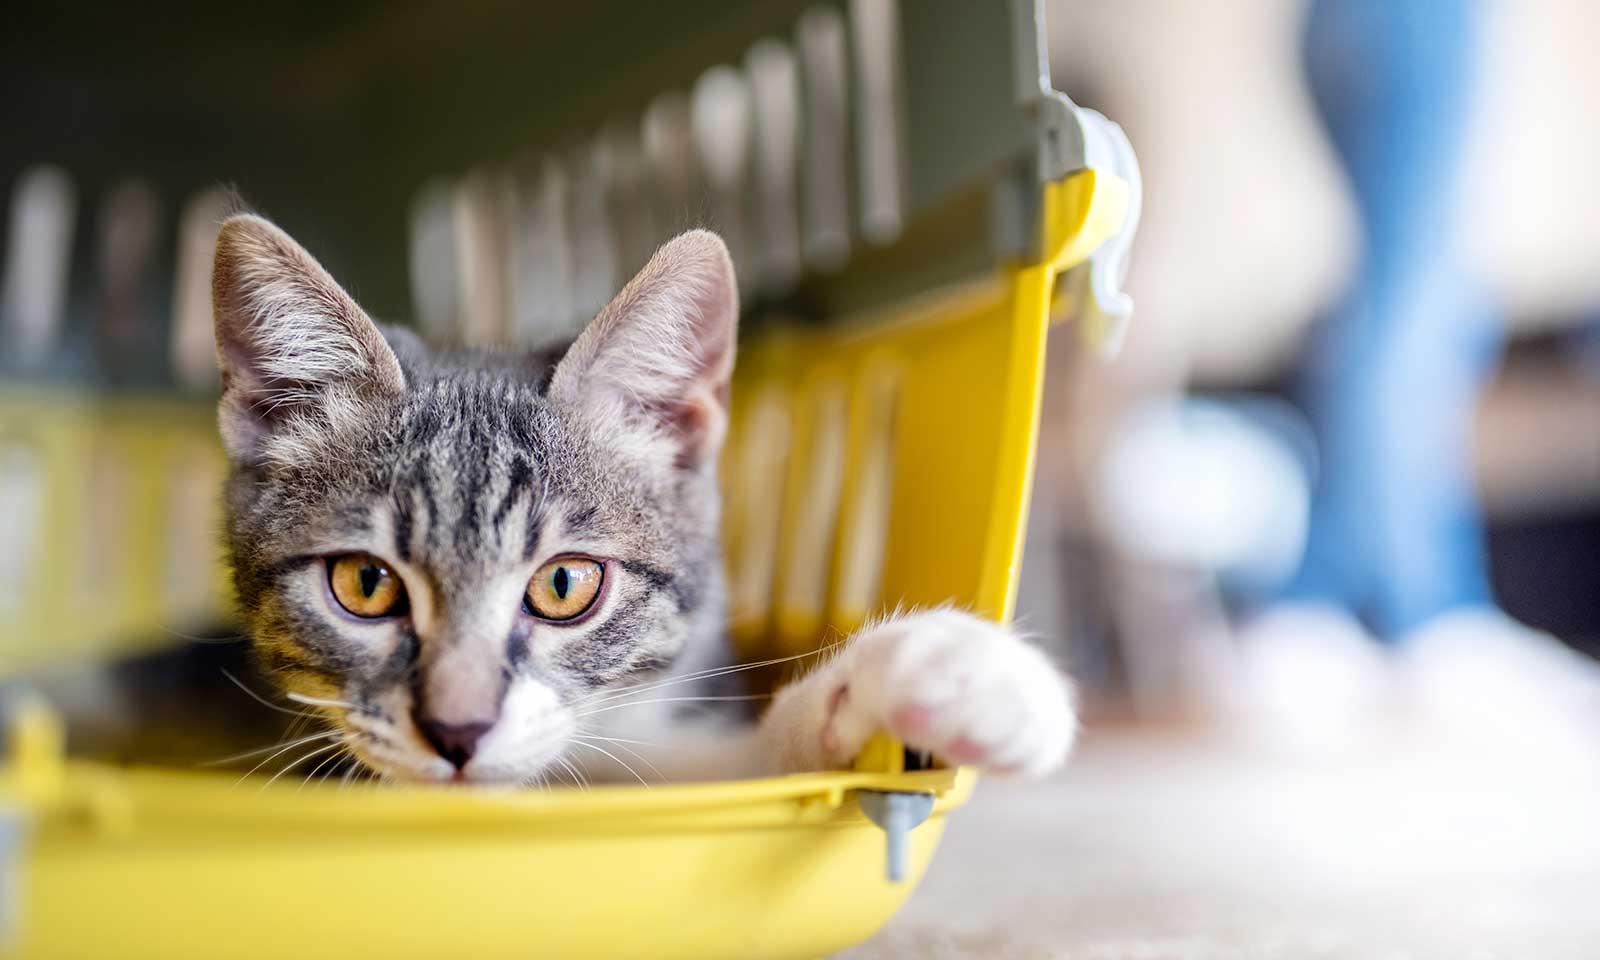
{"x": 231, "y": 638}
{"x": 331, "y": 758}
{"x": 297, "y": 726}
{"x": 280, "y": 746}
{"x": 251, "y": 772}
{"x": 296, "y": 762}
{"x": 707, "y": 674}
{"x": 258, "y": 698}
{"x": 319, "y": 702}
{"x": 637, "y": 703}
{"x": 623, "y": 746}
{"x": 578, "y": 779}
{"x": 641, "y": 743}
{"x": 615, "y": 758}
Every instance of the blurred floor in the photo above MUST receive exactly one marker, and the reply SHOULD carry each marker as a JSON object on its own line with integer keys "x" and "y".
{"x": 1155, "y": 845}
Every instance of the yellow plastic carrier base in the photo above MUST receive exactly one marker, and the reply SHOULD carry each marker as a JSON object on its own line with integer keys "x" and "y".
{"x": 907, "y": 439}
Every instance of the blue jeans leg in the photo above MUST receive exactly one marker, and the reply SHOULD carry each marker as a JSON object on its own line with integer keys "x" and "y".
{"x": 1395, "y": 533}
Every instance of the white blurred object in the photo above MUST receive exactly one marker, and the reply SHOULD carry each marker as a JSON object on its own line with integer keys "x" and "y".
{"x": 22, "y": 491}
{"x": 194, "y": 349}
{"x": 593, "y": 254}
{"x": 875, "y": 50}
{"x": 1097, "y": 285}
{"x": 775, "y": 89}
{"x": 1307, "y": 680}
{"x": 722, "y": 121}
{"x": 128, "y": 226}
{"x": 1490, "y": 690}
{"x": 434, "y": 260}
{"x": 824, "y": 174}
{"x": 44, "y": 209}
{"x": 626, "y": 173}
{"x": 483, "y": 203}
{"x": 1535, "y": 202}
{"x": 1195, "y": 484}
{"x": 667, "y": 135}
{"x": 543, "y": 279}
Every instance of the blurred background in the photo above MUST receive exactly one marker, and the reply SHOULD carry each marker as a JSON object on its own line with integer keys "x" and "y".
{"x": 1341, "y": 487}
{"x": 1464, "y": 165}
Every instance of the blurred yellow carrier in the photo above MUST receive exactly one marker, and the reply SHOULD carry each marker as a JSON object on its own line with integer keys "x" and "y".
{"x": 878, "y": 460}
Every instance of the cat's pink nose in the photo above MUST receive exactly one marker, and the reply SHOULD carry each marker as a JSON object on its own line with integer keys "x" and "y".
{"x": 456, "y": 742}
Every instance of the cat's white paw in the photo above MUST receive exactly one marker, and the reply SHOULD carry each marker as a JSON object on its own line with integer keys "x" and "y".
{"x": 949, "y": 683}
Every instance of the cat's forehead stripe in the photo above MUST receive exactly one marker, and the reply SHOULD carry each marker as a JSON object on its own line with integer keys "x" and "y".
{"x": 424, "y": 489}
{"x": 402, "y": 527}
{"x": 518, "y": 482}
{"x": 581, "y": 520}
{"x": 473, "y": 463}
{"x": 533, "y": 530}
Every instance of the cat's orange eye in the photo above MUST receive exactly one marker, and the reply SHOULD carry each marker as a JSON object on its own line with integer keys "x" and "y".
{"x": 564, "y": 589}
{"x": 365, "y": 586}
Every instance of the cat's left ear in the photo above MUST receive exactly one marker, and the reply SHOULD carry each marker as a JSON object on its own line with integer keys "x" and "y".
{"x": 660, "y": 355}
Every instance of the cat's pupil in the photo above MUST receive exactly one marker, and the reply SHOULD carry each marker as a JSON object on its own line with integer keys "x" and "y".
{"x": 561, "y": 581}
{"x": 370, "y": 575}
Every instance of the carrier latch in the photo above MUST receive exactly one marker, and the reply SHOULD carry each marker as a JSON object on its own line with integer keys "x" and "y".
{"x": 897, "y": 813}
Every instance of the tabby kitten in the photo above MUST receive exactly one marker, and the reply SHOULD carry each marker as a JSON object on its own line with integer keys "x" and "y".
{"x": 471, "y": 562}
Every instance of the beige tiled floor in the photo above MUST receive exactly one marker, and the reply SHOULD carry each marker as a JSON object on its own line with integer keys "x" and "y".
{"x": 1154, "y": 847}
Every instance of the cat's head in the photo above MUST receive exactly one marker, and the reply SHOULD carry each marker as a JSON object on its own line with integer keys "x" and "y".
{"x": 462, "y": 553}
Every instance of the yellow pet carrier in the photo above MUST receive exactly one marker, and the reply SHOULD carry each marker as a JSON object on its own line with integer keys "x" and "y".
{"x": 885, "y": 418}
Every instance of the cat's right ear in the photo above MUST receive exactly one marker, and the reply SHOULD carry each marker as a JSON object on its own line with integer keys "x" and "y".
{"x": 294, "y": 348}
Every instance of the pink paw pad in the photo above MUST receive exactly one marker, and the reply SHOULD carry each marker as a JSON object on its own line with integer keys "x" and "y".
{"x": 912, "y": 720}
{"x": 964, "y": 750}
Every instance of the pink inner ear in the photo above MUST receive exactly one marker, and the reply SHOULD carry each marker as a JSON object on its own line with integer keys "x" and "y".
{"x": 700, "y": 417}
{"x": 243, "y": 429}
{"x": 700, "y": 420}
{"x": 245, "y": 411}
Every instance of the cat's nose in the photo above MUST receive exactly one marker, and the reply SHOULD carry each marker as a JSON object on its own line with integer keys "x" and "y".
{"x": 456, "y": 742}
